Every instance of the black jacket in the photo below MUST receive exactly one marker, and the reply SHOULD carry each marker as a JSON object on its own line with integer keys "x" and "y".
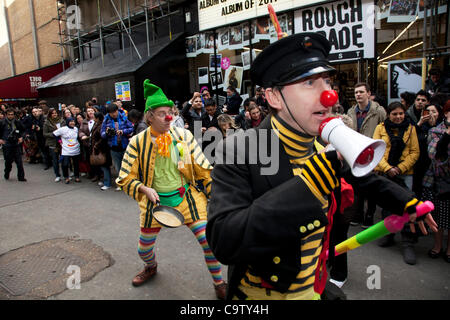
{"x": 190, "y": 116}
{"x": 207, "y": 123}
{"x": 234, "y": 103}
{"x": 254, "y": 217}
{"x": 8, "y": 136}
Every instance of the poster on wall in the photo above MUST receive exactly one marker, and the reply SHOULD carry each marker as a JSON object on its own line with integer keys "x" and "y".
{"x": 216, "y": 77}
{"x": 214, "y": 62}
{"x": 123, "y": 90}
{"x": 403, "y": 10}
{"x": 235, "y": 37}
{"x": 209, "y": 43}
{"x": 349, "y": 25}
{"x": 245, "y": 34}
{"x": 233, "y": 77}
{"x": 191, "y": 47}
{"x": 441, "y": 4}
{"x": 200, "y": 42}
{"x": 246, "y": 59}
{"x": 404, "y": 75}
{"x": 203, "y": 75}
{"x": 223, "y": 38}
{"x": 262, "y": 29}
{"x": 285, "y": 25}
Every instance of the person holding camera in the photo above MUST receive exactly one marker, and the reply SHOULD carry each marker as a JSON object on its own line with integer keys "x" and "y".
{"x": 437, "y": 180}
{"x": 116, "y": 128}
{"x": 11, "y": 138}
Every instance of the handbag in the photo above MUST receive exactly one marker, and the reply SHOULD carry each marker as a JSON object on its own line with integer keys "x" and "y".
{"x": 97, "y": 159}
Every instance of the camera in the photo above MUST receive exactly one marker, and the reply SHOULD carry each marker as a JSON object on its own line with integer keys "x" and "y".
{"x": 110, "y": 131}
{"x": 13, "y": 137}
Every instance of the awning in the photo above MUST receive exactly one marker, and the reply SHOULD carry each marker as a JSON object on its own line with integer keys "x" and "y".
{"x": 114, "y": 64}
{"x": 23, "y": 87}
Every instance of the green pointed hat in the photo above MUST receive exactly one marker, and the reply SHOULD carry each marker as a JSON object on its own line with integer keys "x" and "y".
{"x": 155, "y": 97}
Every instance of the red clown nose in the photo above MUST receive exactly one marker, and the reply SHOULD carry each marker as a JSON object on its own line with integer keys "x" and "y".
{"x": 328, "y": 98}
{"x": 168, "y": 117}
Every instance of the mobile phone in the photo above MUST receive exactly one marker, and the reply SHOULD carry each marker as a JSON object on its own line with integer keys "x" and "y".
{"x": 425, "y": 112}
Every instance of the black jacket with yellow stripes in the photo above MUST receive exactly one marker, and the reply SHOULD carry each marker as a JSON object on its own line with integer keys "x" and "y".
{"x": 253, "y": 218}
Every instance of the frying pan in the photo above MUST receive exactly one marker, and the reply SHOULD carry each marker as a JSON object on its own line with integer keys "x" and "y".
{"x": 167, "y": 216}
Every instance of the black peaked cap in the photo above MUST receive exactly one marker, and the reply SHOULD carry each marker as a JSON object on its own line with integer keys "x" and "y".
{"x": 290, "y": 59}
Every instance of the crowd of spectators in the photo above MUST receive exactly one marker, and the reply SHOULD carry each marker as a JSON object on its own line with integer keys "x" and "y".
{"x": 90, "y": 142}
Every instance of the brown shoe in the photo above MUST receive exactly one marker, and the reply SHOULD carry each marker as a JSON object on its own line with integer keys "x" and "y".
{"x": 221, "y": 290}
{"x": 144, "y": 276}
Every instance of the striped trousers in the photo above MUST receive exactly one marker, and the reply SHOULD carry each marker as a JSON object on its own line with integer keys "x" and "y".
{"x": 147, "y": 243}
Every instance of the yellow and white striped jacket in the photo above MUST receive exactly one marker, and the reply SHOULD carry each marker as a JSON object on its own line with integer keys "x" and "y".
{"x": 138, "y": 165}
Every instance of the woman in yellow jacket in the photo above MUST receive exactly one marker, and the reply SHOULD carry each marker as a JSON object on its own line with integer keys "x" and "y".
{"x": 402, "y": 152}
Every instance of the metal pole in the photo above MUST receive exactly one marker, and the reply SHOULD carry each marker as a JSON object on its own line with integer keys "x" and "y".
{"x": 129, "y": 26}
{"x": 153, "y": 27}
{"x": 424, "y": 36}
{"x": 60, "y": 36}
{"x": 80, "y": 49}
{"x": 252, "y": 90}
{"x": 215, "y": 67}
{"x": 11, "y": 57}
{"x": 100, "y": 33}
{"x": 168, "y": 11}
{"x": 146, "y": 29}
{"x": 70, "y": 50}
{"x": 34, "y": 34}
{"x": 126, "y": 30}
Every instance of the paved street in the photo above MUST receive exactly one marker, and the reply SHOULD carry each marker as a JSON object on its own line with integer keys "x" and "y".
{"x": 41, "y": 209}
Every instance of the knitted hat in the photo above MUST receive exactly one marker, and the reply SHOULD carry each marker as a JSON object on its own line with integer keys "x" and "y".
{"x": 155, "y": 97}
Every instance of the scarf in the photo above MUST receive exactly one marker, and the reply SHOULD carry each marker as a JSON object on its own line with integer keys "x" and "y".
{"x": 256, "y": 123}
{"x": 397, "y": 143}
{"x": 163, "y": 141}
{"x": 11, "y": 124}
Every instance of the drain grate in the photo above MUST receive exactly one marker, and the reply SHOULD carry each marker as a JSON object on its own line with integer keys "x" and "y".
{"x": 29, "y": 271}
{"x": 39, "y": 270}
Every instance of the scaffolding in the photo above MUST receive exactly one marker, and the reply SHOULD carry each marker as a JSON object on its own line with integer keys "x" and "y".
{"x": 431, "y": 30}
{"x": 149, "y": 12}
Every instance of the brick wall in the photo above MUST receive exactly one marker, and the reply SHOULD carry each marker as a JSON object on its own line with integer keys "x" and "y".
{"x": 20, "y": 27}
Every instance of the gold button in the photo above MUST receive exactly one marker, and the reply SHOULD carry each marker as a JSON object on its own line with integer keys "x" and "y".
{"x": 274, "y": 278}
{"x": 302, "y": 229}
{"x": 310, "y": 226}
{"x": 317, "y": 223}
{"x": 276, "y": 260}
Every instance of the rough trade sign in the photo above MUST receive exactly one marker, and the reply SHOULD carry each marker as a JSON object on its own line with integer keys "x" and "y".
{"x": 348, "y": 25}
{"x": 216, "y": 13}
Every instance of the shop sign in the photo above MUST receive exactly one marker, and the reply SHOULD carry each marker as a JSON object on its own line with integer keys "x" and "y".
{"x": 215, "y": 13}
{"x": 25, "y": 86}
{"x": 347, "y": 24}
{"x": 123, "y": 91}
